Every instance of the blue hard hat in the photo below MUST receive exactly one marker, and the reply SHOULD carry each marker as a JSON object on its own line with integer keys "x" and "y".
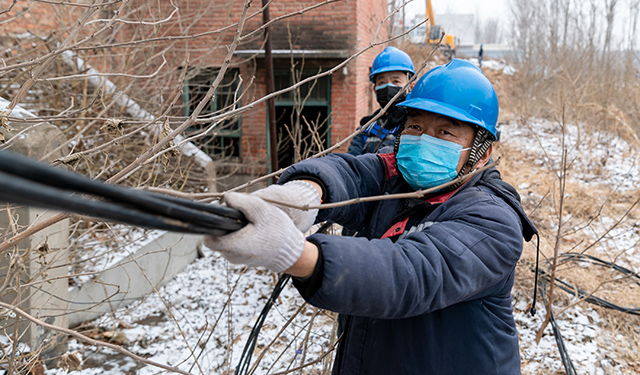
{"x": 390, "y": 60}
{"x": 458, "y": 90}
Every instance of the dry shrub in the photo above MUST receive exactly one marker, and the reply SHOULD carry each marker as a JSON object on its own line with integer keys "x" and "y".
{"x": 564, "y": 71}
{"x": 88, "y": 115}
{"x": 583, "y": 209}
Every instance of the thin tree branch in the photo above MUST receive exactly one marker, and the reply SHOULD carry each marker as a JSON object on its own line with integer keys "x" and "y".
{"x": 414, "y": 194}
{"x": 89, "y": 340}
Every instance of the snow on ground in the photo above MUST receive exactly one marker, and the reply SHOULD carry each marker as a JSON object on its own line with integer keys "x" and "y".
{"x": 207, "y": 311}
{"x": 595, "y": 157}
{"x": 598, "y": 159}
{"x": 203, "y": 321}
{"x": 499, "y": 65}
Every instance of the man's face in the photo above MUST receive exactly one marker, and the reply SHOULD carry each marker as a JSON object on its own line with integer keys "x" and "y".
{"x": 397, "y": 78}
{"x": 446, "y": 128}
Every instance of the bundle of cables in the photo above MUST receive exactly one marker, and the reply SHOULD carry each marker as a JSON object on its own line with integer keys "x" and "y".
{"x": 250, "y": 345}
{"x": 588, "y": 297}
{"x": 27, "y": 182}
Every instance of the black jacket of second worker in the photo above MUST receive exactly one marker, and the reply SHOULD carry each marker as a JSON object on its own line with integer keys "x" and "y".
{"x": 378, "y": 134}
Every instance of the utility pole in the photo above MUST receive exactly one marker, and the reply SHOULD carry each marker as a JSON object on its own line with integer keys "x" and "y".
{"x": 271, "y": 103}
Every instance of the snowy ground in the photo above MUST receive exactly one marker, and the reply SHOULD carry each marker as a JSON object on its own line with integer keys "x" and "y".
{"x": 201, "y": 320}
{"x": 212, "y": 307}
{"x": 98, "y": 250}
{"x": 598, "y": 161}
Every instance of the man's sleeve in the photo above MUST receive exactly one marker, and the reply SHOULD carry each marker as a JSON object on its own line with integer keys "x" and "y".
{"x": 342, "y": 177}
{"x": 466, "y": 254}
{"x": 357, "y": 145}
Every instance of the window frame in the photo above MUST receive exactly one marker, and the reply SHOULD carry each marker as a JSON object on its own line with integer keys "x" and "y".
{"x": 215, "y": 145}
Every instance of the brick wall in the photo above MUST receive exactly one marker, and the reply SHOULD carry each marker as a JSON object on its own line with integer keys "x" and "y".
{"x": 344, "y": 25}
{"x": 352, "y": 96}
{"x": 209, "y": 28}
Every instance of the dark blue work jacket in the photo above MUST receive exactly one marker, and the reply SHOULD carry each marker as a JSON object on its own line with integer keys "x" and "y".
{"x": 427, "y": 289}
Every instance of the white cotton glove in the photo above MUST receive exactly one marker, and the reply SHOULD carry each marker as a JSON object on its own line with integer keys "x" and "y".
{"x": 270, "y": 240}
{"x": 297, "y": 193}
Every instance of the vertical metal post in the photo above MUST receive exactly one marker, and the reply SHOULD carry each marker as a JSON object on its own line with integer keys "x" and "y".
{"x": 271, "y": 103}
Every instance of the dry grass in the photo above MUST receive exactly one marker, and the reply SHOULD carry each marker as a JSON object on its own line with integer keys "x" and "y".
{"x": 420, "y": 53}
{"x": 584, "y": 206}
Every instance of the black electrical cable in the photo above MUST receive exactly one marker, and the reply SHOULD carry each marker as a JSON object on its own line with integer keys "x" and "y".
{"x": 59, "y": 178}
{"x": 572, "y": 256}
{"x": 250, "y": 345}
{"x": 574, "y": 290}
{"x": 562, "y": 349}
{"x": 535, "y": 279}
{"x": 20, "y": 191}
{"x": 225, "y": 211}
{"x": 595, "y": 300}
{"x": 588, "y": 297}
{"x": 24, "y": 181}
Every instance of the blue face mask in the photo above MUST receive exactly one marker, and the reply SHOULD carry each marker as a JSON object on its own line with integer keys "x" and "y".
{"x": 425, "y": 161}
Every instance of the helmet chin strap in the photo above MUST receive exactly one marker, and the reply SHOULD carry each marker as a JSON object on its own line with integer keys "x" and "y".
{"x": 481, "y": 143}
{"x": 396, "y": 143}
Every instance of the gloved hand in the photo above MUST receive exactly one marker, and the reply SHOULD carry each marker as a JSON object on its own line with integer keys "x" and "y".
{"x": 298, "y": 193}
{"x": 270, "y": 239}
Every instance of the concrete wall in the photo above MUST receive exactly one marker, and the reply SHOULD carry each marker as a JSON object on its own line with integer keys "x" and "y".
{"x": 133, "y": 277}
{"x": 34, "y": 269}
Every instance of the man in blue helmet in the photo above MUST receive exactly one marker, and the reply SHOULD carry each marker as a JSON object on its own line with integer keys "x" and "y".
{"x": 428, "y": 289}
{"x": 391, "y": 71}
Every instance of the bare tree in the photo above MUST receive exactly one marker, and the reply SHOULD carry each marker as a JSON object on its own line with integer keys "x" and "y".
{"x": 632, "y": 33}
{"x": 489, "y": 31}
{"x": 572, "y": 73}
{"x": 610, "y": 12}
{"x": 131, "y": 89}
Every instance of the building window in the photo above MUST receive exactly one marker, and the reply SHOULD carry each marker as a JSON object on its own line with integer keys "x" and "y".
{"x": 224, "y": 140}
{"x": 302, "y": 116}
{"x": 314, "y": 92}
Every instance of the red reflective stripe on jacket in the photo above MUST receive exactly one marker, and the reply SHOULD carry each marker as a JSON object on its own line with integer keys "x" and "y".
{"x": 396, "y": 229}
{"x": 389, "y": 161}
{"x": 399, "y": 227}
{"x": 442, "y": 197}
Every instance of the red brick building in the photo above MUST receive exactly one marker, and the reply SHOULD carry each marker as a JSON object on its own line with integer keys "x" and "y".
{"x": 193, "y": 36}
{"x": 302, "y": 45}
